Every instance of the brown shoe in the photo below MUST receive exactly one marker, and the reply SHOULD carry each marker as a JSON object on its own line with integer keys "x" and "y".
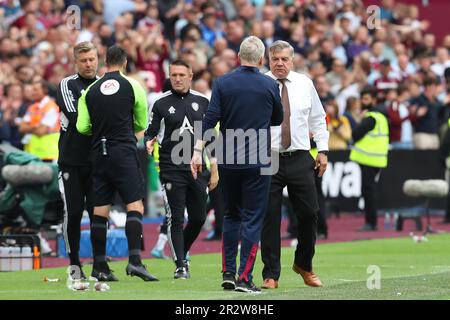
{"x": 270, "y": 284}
{"x": 310, "y": 278}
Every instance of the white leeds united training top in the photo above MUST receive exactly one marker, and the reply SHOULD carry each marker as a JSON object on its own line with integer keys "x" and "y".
{"x": 307, "y": 115}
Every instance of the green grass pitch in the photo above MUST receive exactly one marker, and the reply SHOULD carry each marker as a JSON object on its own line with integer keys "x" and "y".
{"x": 408, "y": 271}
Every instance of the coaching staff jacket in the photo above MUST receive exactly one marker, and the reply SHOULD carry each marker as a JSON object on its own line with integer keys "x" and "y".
{"x": 247, "y": 100}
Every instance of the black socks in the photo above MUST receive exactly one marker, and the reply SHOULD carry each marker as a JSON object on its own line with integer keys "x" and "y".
{"x": 133, "y": 230}
{"x": 98, "y": 239}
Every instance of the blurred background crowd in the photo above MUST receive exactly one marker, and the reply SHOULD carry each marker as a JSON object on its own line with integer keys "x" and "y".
{"x": 337, "y": 43}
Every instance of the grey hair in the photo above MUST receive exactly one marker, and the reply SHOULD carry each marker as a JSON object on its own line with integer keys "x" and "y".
{"x": 252, "y": 50}
{"x": 281, "y": 45}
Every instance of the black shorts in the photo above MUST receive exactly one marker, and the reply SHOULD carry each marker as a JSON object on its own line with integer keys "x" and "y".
{"x": 118, "y": 171}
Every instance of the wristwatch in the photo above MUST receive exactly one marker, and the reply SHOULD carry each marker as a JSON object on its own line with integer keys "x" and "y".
{"x": 325, "y": 152}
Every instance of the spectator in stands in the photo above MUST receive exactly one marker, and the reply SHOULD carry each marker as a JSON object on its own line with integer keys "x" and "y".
{"x": 425, "y": 116}
{"x": 359, "y": 44}
{"x": 230, "y": 58}
{"x": 12, "y": 109}
{"x": 376, "y": 54}
{"x": 353, "y": 112}
{"x": 210, "y": 28}
{"x": 403, "y": 68}
{"x": 114, "y": 8}
{"x": 41, "y": 124}
{"x": 47, "y": 17}
{"x": 323, "y": 89}
{"x": 235, "y": 34}
{"x": 442, "y": 61}
{"x": 400, "y": 128}
{"x": 338, "y": 127}
{"x": 339, "y": 50}
{"x": 385, "y": 81}
{"x": 150, "y": 57}
{"x": 335, "y": 77}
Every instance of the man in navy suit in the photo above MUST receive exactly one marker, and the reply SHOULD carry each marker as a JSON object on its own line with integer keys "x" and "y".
{"x": 246, "y": 103}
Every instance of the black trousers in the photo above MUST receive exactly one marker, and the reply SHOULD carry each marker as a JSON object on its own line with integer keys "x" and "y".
{"x": 369, "y": 180}
{"x": 217, "y": 202}
{"x": 322, "y": 226}
{"x": 297, "y": 173}
{"x": 184, "y": 192}
{"x": 76, "y": 187}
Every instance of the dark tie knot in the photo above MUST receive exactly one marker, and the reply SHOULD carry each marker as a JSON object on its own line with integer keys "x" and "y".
{"x": 283, "y": 81}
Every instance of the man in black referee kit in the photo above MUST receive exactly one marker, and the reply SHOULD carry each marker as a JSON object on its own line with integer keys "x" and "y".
{"x": 179, "y": 108}
{"x": 114, "y": 111}
{"x": 75, "y": 169}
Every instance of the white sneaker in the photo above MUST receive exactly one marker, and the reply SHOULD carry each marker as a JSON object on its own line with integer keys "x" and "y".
{"x": 45, "y": 246}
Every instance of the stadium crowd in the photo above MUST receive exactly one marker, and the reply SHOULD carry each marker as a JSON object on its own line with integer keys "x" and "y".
{"x": 334, "y": 42}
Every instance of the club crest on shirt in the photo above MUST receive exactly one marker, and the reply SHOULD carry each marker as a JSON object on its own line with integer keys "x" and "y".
{"x": 171, "y": 110}
{"x": 168, "y": 186}
{"x": 109, "y": 87}
{"x": 66, "y": 176}
{"x": 194, "y": 106}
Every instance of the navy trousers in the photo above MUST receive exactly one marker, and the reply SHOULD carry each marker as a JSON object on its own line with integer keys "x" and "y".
{"x": 246, "y": 194}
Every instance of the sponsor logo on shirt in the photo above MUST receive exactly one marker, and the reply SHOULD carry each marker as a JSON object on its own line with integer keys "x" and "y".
{"x": 109, "y": 87}
{"x": 186, "y": 126}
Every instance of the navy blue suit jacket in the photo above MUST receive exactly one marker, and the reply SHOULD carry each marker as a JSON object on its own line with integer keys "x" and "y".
{"x": 248, "y": 100}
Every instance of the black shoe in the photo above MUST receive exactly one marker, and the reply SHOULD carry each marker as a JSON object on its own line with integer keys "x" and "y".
{"x": 228, "y": 281}
{"x": 103, "y": 275}
{"x": 140, "y": 271}
{"x": 367, "y": 227}
{"x": 181, "y": 273}
{"x": 76, "y": 273}
{"x": 246, "y": 286}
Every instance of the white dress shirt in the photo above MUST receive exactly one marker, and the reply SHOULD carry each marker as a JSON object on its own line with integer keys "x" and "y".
{"x": 307, "y": 115}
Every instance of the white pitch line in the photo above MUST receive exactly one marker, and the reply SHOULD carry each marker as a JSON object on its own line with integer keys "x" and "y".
{"x": 348, "y": 280}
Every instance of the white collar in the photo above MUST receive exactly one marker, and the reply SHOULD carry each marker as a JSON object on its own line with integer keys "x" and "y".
{"x": 289, "y": 76}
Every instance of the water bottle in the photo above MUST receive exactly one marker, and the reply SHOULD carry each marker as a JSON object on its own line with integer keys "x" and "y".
{"x": 26, "y": 261}
{"x": 395, "y": 221}
{"x": 5, "y": 258}
{"x": 36, "y": 258}
{"x": 387, "y": 221}
{"x": 79, "y": 286}
{"x": 101, "y": 286}
{"x": 15, "y": 258}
